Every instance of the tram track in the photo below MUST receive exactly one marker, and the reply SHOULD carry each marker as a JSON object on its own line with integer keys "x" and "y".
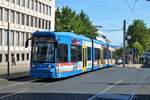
{"x": 105, "y": 94}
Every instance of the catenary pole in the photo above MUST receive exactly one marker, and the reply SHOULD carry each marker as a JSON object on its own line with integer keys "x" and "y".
{"x": 124, "y": 42}
{"x": 8, "y": 52}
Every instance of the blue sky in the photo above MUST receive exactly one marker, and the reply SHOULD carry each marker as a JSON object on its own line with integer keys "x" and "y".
{"x": 110, "y": 13}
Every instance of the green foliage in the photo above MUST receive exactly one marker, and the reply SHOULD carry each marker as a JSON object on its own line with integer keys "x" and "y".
{"x": 68, "y": 20}
{"x": 118, "y": 53}
{"x": 140, "y": 33}
{"x": 139, "y": 47}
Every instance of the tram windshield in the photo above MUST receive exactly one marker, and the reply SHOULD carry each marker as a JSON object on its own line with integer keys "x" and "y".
{"x": 43, "y": 52}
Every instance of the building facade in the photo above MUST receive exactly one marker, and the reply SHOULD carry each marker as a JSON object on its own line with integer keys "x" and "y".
{"x": 25, "y": 17}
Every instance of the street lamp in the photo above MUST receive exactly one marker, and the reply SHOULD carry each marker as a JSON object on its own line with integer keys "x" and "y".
{"x": 128, "y": 37}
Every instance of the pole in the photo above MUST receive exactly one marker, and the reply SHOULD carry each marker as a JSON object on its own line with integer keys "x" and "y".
{"x": 108, "y": 53}
{"x": 124, "y": 40}
{"x": 8, "y": 52}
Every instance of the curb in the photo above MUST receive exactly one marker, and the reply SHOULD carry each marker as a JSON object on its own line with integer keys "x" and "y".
{"x": 13, "y": 76}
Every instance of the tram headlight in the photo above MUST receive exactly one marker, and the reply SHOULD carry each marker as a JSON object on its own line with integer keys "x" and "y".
{"x": 33, "y": 65}
{"x": 49, "y": 66}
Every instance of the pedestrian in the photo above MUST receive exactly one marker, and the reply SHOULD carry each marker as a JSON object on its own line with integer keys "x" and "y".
{"x": 13, "y": 60}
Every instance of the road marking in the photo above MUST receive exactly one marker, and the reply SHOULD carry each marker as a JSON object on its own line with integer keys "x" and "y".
{"x": 105, "y": 90}
{"x": 133, "y": 93}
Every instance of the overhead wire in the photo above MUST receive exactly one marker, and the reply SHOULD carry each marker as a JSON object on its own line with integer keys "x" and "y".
{"x": 131, "y": 9}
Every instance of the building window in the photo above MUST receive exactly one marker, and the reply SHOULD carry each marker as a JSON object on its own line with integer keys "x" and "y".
{"x": 46, "y": 9}
{"x": 49, "y": 25}
{"x": 22, "y": 19}
{"x": 28, "y": 4}
{"x": 0, "y": 57}
{"x": 5, "y": 37}
{"x": 36, "y": 6}
{"x": 1, "y": 14}
{"x": 18, "y": 2}
{"x": 11, "y": 38}
{"x": 40, "y": 6}
{"x": 12, "y": 1}
{"x": 32, "y": 4}
{"x": 32, "y": 21}
{"x": 6, "y": 15}
{"x": 46, "y": 23}
{"x": 6, "y": 57}
{"x": 35, "y": 22}
{"x": 27, "y": 20}
{"x": 12, "y": 17}
{"x": 0, "y": 37}
{"x": 22, "y": 57}
{"x": 43, "y": 9}
{"x": 39, "y": 23}
{"x": 17, "y": 18}
{"x": 43, "y": 23}
{"x": 23, "y": 3}
{"x": 27, "y": 56}
{"x": 62, "y": 53}
{"x": 49, "y": 11}
{"x": 17, "y": 39}
{"x": 18, "y": 57}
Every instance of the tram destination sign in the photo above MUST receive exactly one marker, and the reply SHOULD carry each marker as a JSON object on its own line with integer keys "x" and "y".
{"x": 44, "y": 39}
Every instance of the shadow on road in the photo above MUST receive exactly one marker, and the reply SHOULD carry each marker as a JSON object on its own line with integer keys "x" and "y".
{"x": 146, "y": 66}
{"x": 111, "y": 83}
{"x": 71, "y": 96}
{"x": 44, "y": 96}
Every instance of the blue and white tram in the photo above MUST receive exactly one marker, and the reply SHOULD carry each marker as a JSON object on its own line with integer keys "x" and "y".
{"x": 64, "y": 54}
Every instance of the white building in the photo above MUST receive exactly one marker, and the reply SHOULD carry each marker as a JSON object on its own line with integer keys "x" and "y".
{"x": 25, "y": 17}
{"x": 102, "y": 37}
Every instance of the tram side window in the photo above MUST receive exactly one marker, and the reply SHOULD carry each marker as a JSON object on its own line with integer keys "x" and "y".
{"x": 62, "y": 53}
{"x": 109, "y": 54}
{"x": 97, "y": 54}
{"x": 105, "y": 53}
{"x": 76, "y": 53}
{"x": 89, "y": 53}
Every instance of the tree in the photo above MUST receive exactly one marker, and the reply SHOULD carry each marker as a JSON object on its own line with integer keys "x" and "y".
{"x": 139, "y": 50}
{"x": 138, "y": 47}
{"x": 118, "y": 53}
{"x": 139, "y": 33}
{"x": 68, "y": 20}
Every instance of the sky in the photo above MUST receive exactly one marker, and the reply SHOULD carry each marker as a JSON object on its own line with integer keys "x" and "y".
{"x": 111, "y": 13}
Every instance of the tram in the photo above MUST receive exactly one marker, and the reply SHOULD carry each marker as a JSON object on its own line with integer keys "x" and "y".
{"x": 64, "y": 54}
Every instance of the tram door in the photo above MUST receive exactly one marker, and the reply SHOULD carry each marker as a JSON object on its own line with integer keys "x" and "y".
{"x": 84, "y": 49}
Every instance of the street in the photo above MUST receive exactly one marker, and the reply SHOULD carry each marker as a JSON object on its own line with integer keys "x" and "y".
{"x": 115, "y": 83}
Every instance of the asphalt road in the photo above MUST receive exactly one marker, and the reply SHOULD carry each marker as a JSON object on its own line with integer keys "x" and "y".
{"x": 114, "y": 83}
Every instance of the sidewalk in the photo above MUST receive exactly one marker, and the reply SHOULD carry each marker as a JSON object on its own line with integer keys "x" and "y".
{"x": 20, "y": 70}
{"x": 131, "y": 65}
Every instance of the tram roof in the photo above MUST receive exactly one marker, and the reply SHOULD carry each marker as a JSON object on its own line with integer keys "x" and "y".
{"x": 66, "y": 34}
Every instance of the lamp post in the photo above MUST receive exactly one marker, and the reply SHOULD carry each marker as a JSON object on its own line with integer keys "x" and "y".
{"x": 8, "y": 52}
